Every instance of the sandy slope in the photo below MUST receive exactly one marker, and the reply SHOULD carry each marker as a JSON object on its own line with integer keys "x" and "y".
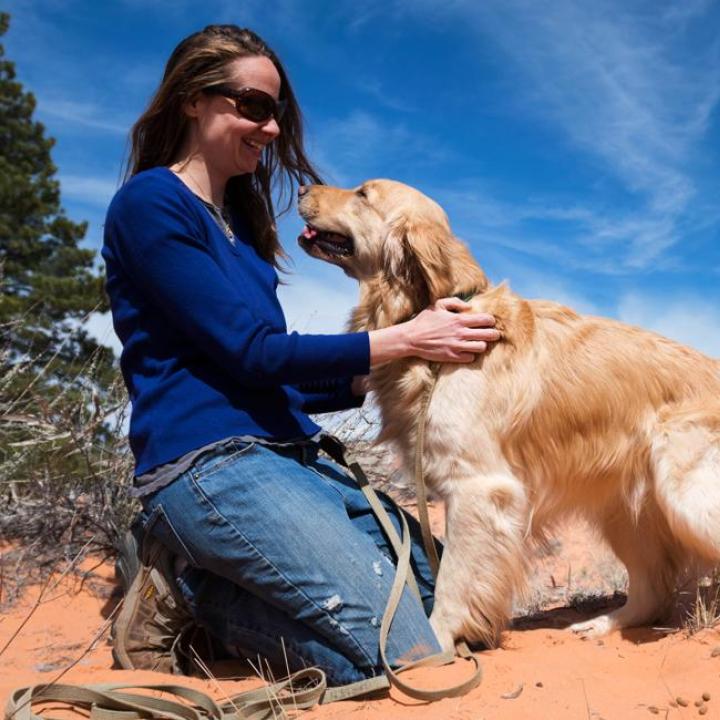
{"x": 637, "y": 674}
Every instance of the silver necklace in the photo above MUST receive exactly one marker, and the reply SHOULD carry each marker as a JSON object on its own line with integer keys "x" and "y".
{"x": 217, "y": 212}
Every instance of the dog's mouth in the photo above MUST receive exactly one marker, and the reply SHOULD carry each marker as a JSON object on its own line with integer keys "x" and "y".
{"x": 324, "y": 243}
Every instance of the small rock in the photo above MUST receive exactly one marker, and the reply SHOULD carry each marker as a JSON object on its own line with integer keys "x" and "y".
{"x": 48, "y": 667}
{"x": 514, "y": 694}
{"x": 715, "y": 652}
{"x": 702, "y": 710}
{"x": 601, "y": 642}
{"x": 653, "y": 709}
{"x": 706, "y": 696}
{"x": 539, "y": 684}
{"x": 681, "y": 701}
{"x": 698, "y": 703}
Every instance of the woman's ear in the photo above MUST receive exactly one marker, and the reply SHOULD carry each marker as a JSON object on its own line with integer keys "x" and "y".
{"x": 190, "y": 107}
{"x": 416, "y": 254}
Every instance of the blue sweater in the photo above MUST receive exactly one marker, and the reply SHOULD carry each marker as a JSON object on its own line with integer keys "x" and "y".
{"x": 206, "y": 351}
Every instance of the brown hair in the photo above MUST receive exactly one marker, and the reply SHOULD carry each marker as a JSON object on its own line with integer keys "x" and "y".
{"x": 199, "y": 61}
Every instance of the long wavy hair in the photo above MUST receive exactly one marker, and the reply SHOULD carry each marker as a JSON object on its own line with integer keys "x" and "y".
{"x": 156, "y": 139}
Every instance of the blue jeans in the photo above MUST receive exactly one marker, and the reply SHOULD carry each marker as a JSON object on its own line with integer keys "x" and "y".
{"x": 299, "y": 569}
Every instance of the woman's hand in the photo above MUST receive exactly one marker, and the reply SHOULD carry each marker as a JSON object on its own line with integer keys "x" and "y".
{"x": 445, "y": 332}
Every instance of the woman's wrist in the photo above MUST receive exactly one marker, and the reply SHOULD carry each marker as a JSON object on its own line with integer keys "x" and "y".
{"x": 390, "y": 343}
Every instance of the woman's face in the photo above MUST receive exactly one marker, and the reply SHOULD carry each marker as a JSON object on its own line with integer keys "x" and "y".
{"x": 229, "y": 143}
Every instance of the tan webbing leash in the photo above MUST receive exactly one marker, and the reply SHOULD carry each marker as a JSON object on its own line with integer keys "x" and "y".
{"x": 301, "y": 691}
{"x": 403, "y": 574}
{"x": 461, "y": 648}
{"x": 419, "y": 476}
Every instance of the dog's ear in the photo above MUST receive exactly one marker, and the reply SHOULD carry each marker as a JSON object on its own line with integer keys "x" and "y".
{"x": 416, "y": 254}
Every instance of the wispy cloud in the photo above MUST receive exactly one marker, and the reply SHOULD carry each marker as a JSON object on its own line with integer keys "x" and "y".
{"x": 363, "y": 145}
{"x": 88, "y": 190}
{"x": 612, "y": 81}
{"x": 82, "y": 114}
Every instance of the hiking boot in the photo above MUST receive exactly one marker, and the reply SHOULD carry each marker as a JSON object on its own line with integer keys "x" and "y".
{"x": 153, "y": 617}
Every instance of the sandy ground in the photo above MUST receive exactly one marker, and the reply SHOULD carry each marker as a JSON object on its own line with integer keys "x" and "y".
{"x": 542, "y": 670}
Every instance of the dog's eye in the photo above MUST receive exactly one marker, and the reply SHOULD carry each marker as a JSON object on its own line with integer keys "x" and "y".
{"x": 361, "y": 192}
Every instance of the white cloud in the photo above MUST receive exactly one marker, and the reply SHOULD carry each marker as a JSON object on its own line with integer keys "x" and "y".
{"x": 100, "y": 327}
{"x": 96, "y": 191}
{"x": 313, "y": 305}
{"x": 584, "y": 232}
{"x": 689, "y": 320}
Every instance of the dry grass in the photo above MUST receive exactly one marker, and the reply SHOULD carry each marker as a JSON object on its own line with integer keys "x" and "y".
{"x": 705, "y": 610}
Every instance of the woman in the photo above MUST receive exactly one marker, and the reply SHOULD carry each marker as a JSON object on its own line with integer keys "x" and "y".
{"x": 278, "y": 552}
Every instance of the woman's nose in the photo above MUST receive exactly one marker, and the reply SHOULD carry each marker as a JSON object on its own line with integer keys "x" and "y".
{"x": 271, "y": 127}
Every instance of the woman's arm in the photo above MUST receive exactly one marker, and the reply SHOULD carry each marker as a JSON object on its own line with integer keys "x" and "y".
{"x": 154, "y": 237}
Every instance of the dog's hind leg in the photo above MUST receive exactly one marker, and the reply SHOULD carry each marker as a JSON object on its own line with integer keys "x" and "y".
{"x": 678, "y": 521}
{"x": 686, "y": 458}
{"x": 483, "y": 563}
{"x": 642, "y": 542}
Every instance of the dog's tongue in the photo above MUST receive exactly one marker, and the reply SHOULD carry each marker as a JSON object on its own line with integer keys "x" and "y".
{"x": 309, "y": 232}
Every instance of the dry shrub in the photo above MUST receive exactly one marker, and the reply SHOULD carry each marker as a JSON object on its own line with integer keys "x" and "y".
{"x": 358, "y": 430}
{"x": 65, "y": 466}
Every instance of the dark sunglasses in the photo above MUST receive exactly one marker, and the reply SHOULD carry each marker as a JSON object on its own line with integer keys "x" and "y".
{"x": 251, "y": 103}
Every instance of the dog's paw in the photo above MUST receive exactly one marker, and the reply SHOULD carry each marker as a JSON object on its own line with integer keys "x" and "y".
{"x": 600, "y": 625}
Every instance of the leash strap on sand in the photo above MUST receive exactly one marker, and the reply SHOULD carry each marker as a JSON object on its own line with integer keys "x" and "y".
{"x": 403, "y": 575}
{"x": 301, "y": 691}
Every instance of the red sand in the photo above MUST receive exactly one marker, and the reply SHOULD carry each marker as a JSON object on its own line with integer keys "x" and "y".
{"x": 637, "y": 674}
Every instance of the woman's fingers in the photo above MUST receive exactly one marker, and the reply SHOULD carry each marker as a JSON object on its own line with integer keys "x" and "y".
{"x": 452, "y": 304}
{"x": 488, "y": 334}
{"x": 464, "y": 353}
{"x": 480, "y": 320}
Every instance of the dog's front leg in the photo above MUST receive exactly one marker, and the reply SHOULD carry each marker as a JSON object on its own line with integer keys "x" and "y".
{"x": 483, "y": 563}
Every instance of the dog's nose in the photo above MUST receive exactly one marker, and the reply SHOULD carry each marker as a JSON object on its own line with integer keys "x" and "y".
{"x": 302, "y": 190}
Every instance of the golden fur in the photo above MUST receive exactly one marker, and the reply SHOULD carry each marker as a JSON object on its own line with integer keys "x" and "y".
{"x": 566, "y": 414}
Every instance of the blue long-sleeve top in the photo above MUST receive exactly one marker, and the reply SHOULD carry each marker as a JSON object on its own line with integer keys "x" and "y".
{"x": 206, "y": 352}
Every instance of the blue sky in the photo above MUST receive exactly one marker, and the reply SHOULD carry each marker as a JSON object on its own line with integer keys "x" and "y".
{"x": 573, "y": 143}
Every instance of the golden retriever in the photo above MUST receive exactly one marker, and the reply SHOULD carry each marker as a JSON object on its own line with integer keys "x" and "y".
{"x": 565, "y": 414}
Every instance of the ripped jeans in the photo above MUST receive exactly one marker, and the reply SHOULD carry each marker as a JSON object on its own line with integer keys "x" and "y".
{"x": 299, "y": 569}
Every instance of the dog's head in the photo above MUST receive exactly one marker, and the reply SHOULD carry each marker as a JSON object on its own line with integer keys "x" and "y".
{"x": 385, "y": 227}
